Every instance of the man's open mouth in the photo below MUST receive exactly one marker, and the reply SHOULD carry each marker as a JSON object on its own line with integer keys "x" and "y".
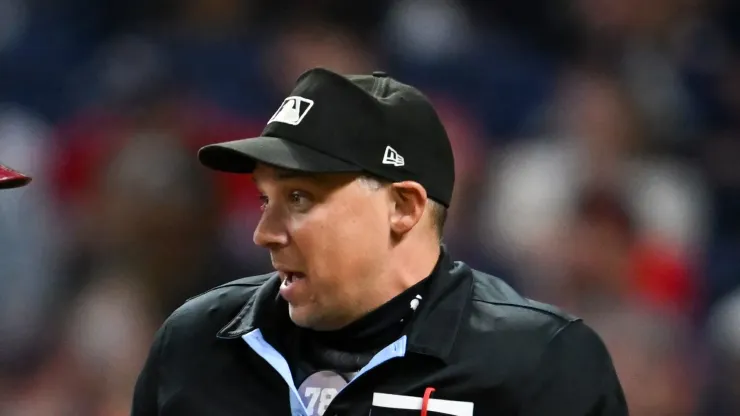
{"x": 291, "y": 277}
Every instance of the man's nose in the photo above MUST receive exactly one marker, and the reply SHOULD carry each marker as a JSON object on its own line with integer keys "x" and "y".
{"x": 270, "y": 231}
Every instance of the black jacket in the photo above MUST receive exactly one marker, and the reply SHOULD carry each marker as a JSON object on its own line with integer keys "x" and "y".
{"x": 473, "y": 340}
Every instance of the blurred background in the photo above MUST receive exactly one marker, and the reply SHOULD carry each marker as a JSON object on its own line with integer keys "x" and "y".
{"x": 598, "y": 163}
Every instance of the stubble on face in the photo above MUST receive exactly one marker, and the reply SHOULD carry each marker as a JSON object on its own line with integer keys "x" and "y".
{"x": 335, "y": 231}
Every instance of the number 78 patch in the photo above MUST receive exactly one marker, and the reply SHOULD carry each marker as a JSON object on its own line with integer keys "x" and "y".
{"x": 319, "y": 389}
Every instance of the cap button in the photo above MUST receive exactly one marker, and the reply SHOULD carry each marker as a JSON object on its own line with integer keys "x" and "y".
{"x": 380, "y": 74}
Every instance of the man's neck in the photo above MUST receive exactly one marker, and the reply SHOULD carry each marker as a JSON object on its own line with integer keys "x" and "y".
{"x": 402, "y": 271}
{"x": 409, "y": 265}
{"x": 384, "y": 322}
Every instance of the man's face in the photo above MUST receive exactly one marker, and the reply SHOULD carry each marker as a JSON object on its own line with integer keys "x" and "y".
{"x": 327, "y": 236}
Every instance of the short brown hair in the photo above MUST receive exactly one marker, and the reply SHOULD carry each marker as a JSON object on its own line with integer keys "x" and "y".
{"x": 437, "y": 211}
{"x": 439, "y": 216}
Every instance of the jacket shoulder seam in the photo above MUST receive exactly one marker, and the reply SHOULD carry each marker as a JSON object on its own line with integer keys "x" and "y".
{"x": 543, "y": 311}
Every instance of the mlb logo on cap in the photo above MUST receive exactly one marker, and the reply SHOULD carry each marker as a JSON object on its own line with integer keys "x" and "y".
{"x": 292, "y": 110}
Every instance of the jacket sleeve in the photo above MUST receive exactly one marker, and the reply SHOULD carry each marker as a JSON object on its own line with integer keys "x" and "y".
{"x": 145, "y": 398}
{"x": 575, "y": 377}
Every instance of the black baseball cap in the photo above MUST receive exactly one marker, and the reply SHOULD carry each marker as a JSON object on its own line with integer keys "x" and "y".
{"x": 10, "y": 178}
{"x": 333, "y": 123}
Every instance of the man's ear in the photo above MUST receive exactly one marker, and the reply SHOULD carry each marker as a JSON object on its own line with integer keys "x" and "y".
{"x": 409, "y": 201}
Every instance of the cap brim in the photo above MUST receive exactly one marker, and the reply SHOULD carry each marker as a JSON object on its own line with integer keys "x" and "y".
{"x": 10, "y": 178}
{"x": 242, "y": 156}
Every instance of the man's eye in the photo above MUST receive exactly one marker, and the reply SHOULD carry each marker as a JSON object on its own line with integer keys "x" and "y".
{"x": 296, "y": 197}
{"x": 263, "y": 201}
{"x": 299, "y": 199}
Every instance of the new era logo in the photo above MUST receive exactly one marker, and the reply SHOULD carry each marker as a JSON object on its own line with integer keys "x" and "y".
{"x": 391, "y": 157}
{"x": 292, "y": 110}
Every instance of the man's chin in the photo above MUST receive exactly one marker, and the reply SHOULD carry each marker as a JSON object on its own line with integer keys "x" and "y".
{"x": 300, "y": 316}
{"x": 305, "y": 317}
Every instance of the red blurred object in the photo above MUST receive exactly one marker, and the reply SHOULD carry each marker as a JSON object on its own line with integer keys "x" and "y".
{"x": 10, "y": 178}
{"x": 663, "y": 277}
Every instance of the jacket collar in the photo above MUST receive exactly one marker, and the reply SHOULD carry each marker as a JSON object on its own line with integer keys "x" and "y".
{"x": 432, "y": 331}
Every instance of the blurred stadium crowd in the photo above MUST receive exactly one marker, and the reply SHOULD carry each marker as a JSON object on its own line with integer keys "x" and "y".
{"x": 598, "y": 165}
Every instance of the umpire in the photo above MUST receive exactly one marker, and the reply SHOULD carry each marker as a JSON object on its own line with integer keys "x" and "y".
{"x": 10, "y": 178}
{"x": 365, "y": 313}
